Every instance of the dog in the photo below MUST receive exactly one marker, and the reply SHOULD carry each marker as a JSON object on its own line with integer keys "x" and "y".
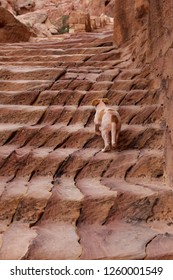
{"x": 107, "y": 123}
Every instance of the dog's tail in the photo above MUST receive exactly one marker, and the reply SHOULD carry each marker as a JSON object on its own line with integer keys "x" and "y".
{"x": 115, "y": 128}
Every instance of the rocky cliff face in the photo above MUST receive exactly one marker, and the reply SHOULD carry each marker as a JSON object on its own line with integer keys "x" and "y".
{"x": 45, "y": 18}
{"x": 148, "y": 28}
{"x": 12, "y": 30}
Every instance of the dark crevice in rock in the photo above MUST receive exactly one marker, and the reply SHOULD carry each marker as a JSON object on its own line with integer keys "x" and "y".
{"x": 111, "y": 49}
{"x": 145, "y": 120}
{"x": 10, "y": 138}
{"x": 90, "y": 141}
{"x": 84, "y": 165}
{"x": 132, "y": 117}
{"x": 88, "y": 121}
{"x": 59, "y": 117}
{"x": 60, "y": 171}
{"x": 7, "y": 159}
{"x": 30, "y": 138}
{"x": 62, "y": 143}
{"x": 131, "y": 167}
{"x": 149, "y": 242}
{"x": 113, "y": 209}
{"x": 49, "y": 87}
{"x": 152, "y": 210}
{"x": 142, "y": 98}
{"x": 14, "y": 176}
{"x": 32, "y": 174}
{"x": 80, "y": 100}
{"x": 42, "y": 116}
{"x": 106, "y": 168}
{"x": 34, "y": 101}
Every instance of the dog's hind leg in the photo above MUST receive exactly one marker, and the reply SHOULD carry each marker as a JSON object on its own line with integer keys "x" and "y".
{"x": 115, "y": 130}
{"x": 113, "y": 135}
{"x": 107, "y": 140}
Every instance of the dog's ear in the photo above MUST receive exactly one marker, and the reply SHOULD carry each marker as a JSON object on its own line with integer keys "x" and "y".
{"x": 95, "y": 102}
{"x": 105, "y": 100}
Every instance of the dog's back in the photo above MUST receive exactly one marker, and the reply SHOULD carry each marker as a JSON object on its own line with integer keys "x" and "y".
{"x": 111, "y": 122}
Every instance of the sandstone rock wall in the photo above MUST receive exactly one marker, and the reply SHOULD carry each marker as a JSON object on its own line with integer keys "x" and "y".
{"x": 147, "y": 27}
{"x": 52, "y": 16}
{"x": 12, "y": 30}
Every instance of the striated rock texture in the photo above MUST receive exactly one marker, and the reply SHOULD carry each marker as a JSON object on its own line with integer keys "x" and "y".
{"x": 12, "y": 30}
{"x": 60, "y": 196}
{"x": 79, "y": 21}
{"x": 46, "y": 18}
{"x": 152, "y": 21}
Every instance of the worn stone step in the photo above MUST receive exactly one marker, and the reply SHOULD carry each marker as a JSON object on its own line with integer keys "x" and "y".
{"x": 70, "y": 200}
{"x": 67, "y": 64}
{"x": 109, "y": 245}
{"x": 84, "y": 97}
{"x": 71, "y": 114}
{"x": 118, "y": 199}
{"x": 127, "y": 164}
{"x": 47, "y": 64}
{"x": 58, "y": 236}
{"x": 144, "y": 114}
{"x": 16, "y": 241}
{"x": 25, "y": 97}
{"x": 40, "y": 96}
{"x": 131, "y": 137}
{"x": 28, "y": 162}
{"x": 113, "y": 164}
{"x": 133, "y": 97}
{"x": 138, "y": 204}
{"x": 19, "y": 85}
{"x": 59, "y": 58}
{"x": 88, "y": 84}
{"x": 86, "y": 227}
{"x": 28, "y": 73}
{"x": 30, "y": 51}
{"x": 131, "y": 114}
{"x": 96, "y": 75}
{"x": 77, "y": 136}
{"x": 149, "y": 165}
{"x": 21, "y": 114}
{"x": 52, "y": 50}
{"x": 21, "y": 193}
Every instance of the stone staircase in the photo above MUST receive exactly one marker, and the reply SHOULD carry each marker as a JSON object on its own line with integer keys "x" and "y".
{"x": 60, "y": 196}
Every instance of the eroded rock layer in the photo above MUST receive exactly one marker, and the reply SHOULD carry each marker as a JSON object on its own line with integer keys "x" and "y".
{"x": 60, "y": 196}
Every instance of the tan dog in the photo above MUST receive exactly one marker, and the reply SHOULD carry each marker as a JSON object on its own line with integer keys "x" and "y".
{"x": 107, "y": 123}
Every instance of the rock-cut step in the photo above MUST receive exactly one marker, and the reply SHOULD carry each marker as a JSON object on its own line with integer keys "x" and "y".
{"x": 30, "y": 162}
{"x": 77, "y": 136}
{"x": 65, "y": 97}
{"x": 57, "y": 189}
{"x": 74, "y": 209}
{"x": 72, "y": 114}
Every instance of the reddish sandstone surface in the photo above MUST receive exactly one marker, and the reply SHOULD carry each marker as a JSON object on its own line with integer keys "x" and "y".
{"x": 60, "y": 196}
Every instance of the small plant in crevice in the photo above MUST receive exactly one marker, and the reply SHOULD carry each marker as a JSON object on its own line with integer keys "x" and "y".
{"x": 65, "y": 24}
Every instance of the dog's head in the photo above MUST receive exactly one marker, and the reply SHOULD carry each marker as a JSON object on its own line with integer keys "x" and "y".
{"x": 100, "y": 100}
